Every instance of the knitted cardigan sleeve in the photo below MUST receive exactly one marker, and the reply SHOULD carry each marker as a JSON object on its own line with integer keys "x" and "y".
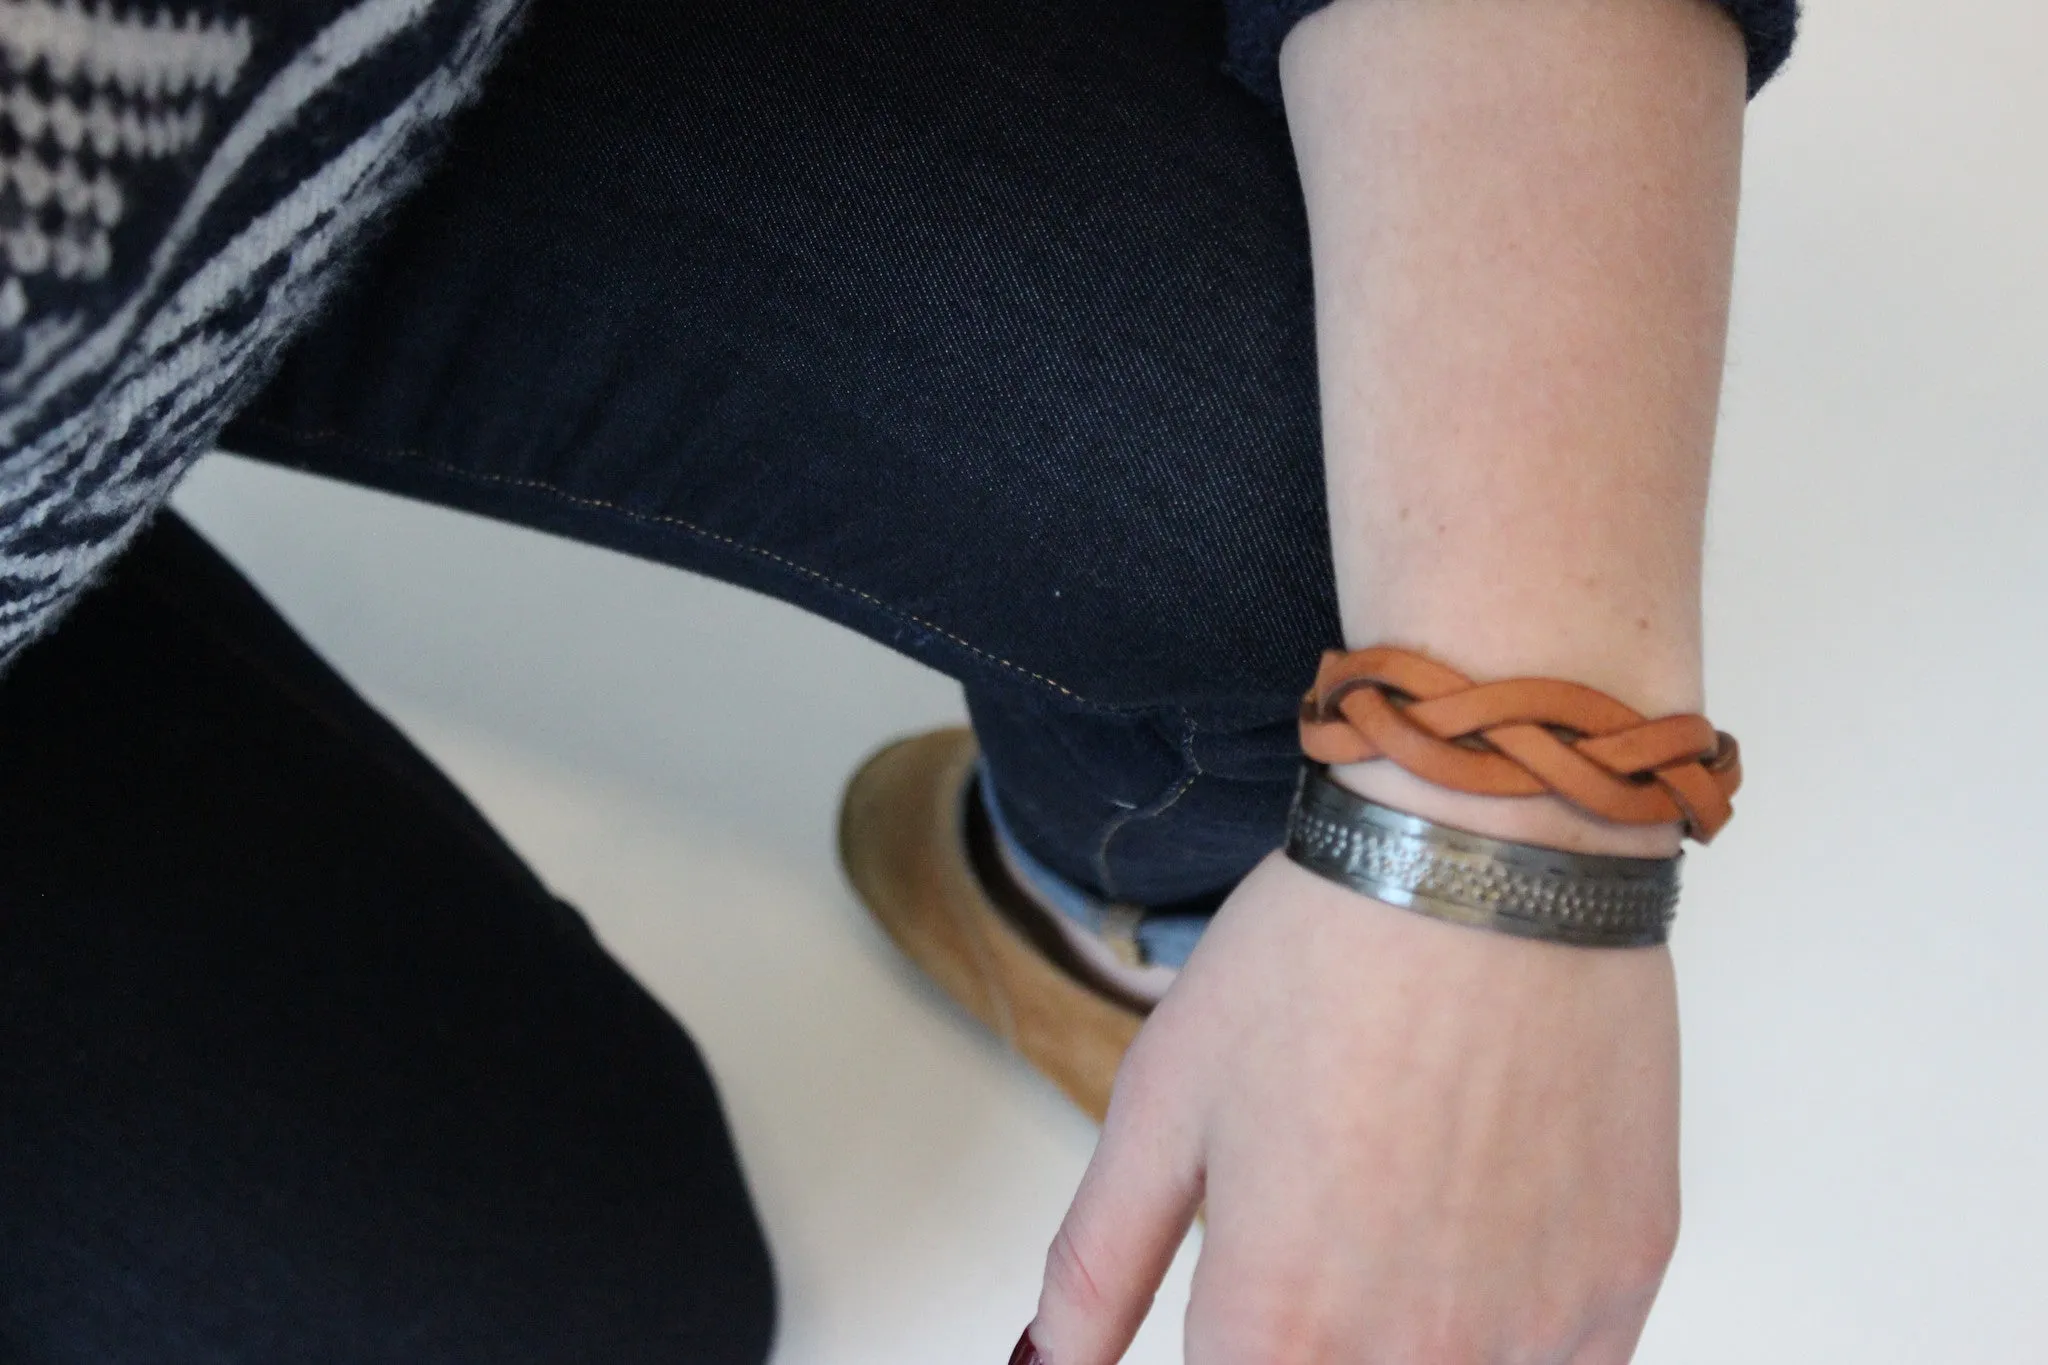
{"x": 1257, "y": 27}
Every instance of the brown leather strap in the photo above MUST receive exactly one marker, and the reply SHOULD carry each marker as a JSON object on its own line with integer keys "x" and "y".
{"x": 1520, "y": 737}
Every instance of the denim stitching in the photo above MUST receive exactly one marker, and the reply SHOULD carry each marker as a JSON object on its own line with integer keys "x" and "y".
{"x": 1153, "y": 811}
{"x": 402, "y": 456}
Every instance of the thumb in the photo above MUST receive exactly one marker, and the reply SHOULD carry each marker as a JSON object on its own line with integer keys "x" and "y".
{"x": 1135, "y": 1203}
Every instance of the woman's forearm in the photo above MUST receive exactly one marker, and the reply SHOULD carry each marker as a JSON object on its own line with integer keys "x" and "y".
{"x": 1417, "y": 1141}
{"x": 1522, "y": 215}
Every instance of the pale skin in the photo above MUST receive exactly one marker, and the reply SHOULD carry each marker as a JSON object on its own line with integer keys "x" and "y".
{"x": 1419, "y": 1144}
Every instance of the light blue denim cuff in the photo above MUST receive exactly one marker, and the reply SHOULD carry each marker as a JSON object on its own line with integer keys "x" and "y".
{"x": 1164, "y": 940}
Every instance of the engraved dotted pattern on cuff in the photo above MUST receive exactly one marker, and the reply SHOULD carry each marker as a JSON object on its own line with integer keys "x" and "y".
{"x": 1411, "y": 865}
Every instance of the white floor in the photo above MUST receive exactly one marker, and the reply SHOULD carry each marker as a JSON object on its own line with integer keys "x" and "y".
{"x": 1862, "y": 954}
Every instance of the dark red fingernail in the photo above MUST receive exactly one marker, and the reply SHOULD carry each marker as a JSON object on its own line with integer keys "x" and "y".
{"x": 1026, "y": 1352}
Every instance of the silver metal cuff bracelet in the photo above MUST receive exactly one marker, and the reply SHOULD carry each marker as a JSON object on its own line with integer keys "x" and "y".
{"x": 1583, "y": 899}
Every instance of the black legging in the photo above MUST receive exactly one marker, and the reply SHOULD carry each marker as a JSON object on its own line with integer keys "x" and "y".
{"x": 298, "y": 1062}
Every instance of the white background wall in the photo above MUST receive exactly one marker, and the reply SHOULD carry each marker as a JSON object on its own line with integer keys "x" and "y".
{"x": 1862, "y": 957}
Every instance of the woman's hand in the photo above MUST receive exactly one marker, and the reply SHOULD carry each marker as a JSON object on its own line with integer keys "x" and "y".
{"x": 1417, "y": 1143}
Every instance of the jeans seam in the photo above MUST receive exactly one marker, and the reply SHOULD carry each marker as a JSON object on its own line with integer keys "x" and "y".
{"x": 1157, "y": 808}
{"x": 403, "y": 456}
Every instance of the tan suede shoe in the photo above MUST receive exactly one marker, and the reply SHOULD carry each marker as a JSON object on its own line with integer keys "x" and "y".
{"x": 919, "y": 851}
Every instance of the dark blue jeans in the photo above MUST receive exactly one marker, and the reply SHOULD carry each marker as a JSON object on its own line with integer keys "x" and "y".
{"x": 983, "y": 329}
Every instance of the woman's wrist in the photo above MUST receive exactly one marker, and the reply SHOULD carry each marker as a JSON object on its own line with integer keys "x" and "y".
{"x": 1659, "y": 676}
{"x": 1544, "y": 820}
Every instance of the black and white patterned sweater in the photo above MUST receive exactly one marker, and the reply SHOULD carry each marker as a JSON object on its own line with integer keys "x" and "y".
{"x": 180, "y": 183}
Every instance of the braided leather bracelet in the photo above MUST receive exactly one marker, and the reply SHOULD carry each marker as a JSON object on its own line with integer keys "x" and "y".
{"x": 1519, "y": 737}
